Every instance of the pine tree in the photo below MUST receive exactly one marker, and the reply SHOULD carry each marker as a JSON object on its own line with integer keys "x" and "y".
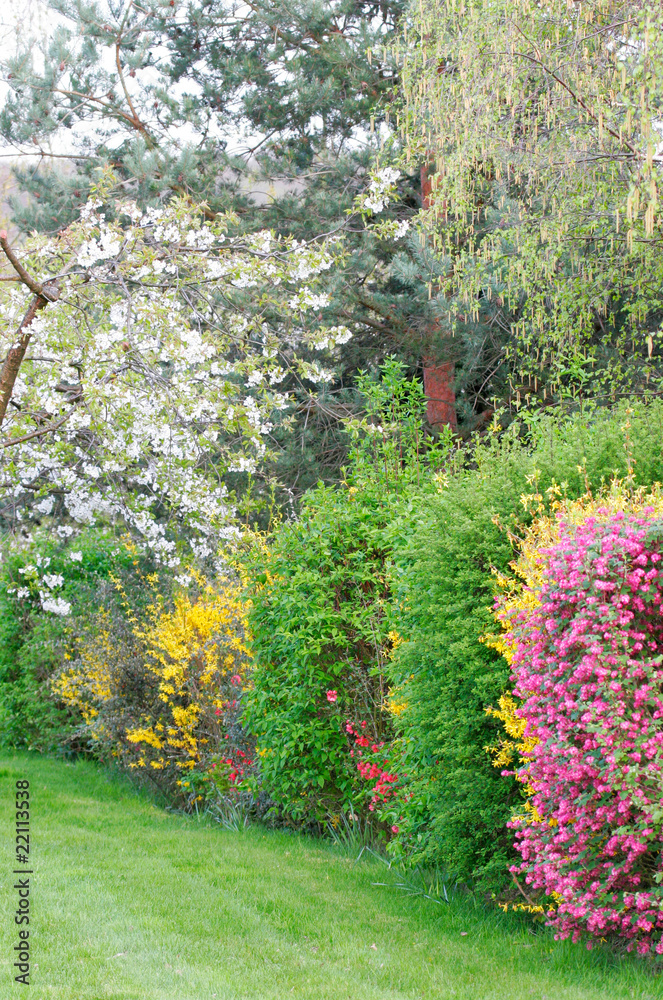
{"x": 275, "y": 111}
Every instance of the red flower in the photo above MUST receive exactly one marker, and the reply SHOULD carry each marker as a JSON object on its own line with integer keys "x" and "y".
{"x": 235, "y": 679}
{"x": 394, "y": 829}
{"x": 331, "y": 697}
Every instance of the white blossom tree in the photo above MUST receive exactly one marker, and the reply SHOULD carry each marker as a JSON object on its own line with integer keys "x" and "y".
{"x": 143, "y": 354}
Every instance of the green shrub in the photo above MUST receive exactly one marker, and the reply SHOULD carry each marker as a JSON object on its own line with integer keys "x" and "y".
{"x": 454, "y": 804}
{"x": 75, "y": 577}
{"x": 321, "y": 613}
{"x": 320, "y": 624}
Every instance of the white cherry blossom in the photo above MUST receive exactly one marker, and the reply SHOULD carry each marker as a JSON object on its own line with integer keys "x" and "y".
{"x": 152, "y": 374}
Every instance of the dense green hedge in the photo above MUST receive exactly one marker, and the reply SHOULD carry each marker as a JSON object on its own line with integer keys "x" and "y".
{"x": 320, "y": 623}
{"x": 455, "y": 804}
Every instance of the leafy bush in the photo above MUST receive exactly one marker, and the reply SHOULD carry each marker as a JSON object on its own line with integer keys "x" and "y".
{"x": 453, "y": 806}
{"x": 321, "y": 616}
{"x": 320, "y": 622}
{"x": 48, "y": 588}
{"x": 587, "y": 663}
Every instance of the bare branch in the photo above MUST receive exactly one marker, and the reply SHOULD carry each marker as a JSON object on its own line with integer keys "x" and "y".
{"x": 576, "y": 97}
{"x": 41, "y": 432}
{"x": 43, "y": 295}
{"x": 46, "y": 292}
{"x": 136, "y": 120}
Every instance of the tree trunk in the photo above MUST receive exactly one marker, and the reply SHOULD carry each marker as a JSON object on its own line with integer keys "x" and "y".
{"x": 440, "y": 394}
{"x": 439, "y": 384}
{"x": 15, "y": 355}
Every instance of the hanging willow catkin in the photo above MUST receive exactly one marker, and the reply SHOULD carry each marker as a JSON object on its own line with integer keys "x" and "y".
{"x": 543, "y": 123}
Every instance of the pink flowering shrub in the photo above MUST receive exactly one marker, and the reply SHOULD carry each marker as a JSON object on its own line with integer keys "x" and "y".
{"x": 373, "y": 766}
{"x": 587, "y": 661}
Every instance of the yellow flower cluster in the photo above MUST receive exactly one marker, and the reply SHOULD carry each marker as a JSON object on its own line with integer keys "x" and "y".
{"x": 195, "y": 654}
{"x": 192, "y": 651}
{"x": 396, "y": 705}
{"x": 88, "y": 683}
{"x": 534, "y": 908}
{"x": 517, "y": 745}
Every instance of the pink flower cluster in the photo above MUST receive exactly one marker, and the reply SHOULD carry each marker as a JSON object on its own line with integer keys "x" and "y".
{"x": 375, "y": 769}
{"x": 235, "y": 769}
{"x": 588, "y": 666}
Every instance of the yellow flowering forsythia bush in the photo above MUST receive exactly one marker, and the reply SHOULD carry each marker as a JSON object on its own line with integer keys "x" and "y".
{"x": 163, "y": 694}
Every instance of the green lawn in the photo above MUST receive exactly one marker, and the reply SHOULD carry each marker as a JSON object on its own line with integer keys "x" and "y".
{"x": 132, "y": 902}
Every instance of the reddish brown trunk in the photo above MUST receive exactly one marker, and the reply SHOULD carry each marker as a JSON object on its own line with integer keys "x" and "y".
{"x": 439, "y": 379}
{"x": 43, "y": 294}
{"x": 440, "y": 394}
{"x": 15, "y": 356}
{"x": 426, "y": 187}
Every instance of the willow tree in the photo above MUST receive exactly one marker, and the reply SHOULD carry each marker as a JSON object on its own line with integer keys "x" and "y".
{"x": 541, "y": 126}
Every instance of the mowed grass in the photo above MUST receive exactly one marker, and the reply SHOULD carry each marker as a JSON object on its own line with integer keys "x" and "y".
{"x": 130, "y": 901}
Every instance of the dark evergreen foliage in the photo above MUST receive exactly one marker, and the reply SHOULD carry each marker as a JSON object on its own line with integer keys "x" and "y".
{"x": 274, "y": 111}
